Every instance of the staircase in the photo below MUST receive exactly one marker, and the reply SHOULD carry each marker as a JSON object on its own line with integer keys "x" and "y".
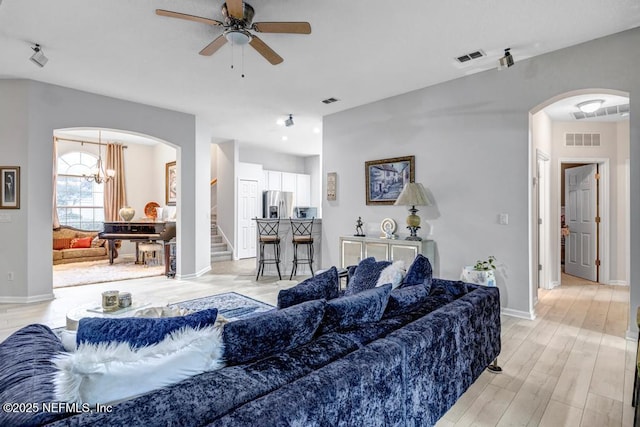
{"x": 219, "y": 249}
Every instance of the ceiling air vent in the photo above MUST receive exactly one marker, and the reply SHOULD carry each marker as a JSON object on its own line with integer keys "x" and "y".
{"x": 582, "y": 139}
{"x": 622, "y": 110}
{"x": 330, "y": 100}
{"x": 469, "y": 56}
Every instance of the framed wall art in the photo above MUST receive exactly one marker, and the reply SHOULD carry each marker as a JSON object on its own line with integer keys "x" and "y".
{"x": 387, "y": 177}
{"x": 332, "y": 184}
{"x": 9, "y": 187}
{"x": 171, "y": 184}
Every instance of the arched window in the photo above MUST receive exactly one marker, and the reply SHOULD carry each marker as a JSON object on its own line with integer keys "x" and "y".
{"x": 80, "y": 202}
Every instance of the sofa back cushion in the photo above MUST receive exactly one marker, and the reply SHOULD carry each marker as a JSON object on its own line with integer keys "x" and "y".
{"x": 420, "y": 272}
{"x": 406, "y": 300}
{"x": 272, "y": 332}
{"x": 366, "y": 275}
{"x": 139, "y": 332}
{"x": 454, "y": 288}
{"x": 322, "y": 286}
{"x": 26, "y": 375}
{"x": 352, "y": 310}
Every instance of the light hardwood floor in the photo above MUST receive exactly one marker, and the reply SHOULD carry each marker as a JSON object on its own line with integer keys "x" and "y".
{"x": 571, "y": 366}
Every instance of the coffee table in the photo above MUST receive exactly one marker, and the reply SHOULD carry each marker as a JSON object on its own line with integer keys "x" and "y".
{"x": 93, "y": 310}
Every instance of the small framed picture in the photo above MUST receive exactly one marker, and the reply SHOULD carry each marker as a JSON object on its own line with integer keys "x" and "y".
{"x": 387, "y": 177}
{"x": 10, "y": 187}
{"x": 171, "y": 184}
{"x": 332, "y": 184}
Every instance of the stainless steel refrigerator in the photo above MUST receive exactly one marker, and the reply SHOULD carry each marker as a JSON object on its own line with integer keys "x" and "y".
{"x": 277, "y": 204}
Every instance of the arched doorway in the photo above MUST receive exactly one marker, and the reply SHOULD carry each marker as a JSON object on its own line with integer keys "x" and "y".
{"x": 79, "y": 196}
{"x": 566, "y": 136}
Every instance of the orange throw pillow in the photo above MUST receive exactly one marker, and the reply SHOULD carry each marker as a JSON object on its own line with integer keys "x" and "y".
{"x": 61, "y": 243}
{"x": 81, "y": 242}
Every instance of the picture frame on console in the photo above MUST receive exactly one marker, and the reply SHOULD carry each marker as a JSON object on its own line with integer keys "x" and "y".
{"x": 386, "y": 178}
{"x": 9, "y": 187}
{"x": 171, "y": 184}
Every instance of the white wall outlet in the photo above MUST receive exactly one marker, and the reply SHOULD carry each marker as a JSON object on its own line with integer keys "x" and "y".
{"x": 503, "y": 219}
{"x": 10, "y": 275}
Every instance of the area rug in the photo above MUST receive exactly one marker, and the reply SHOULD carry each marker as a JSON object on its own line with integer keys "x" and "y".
{"x": 84, "y": 273}
{"x": 231, "y": 305}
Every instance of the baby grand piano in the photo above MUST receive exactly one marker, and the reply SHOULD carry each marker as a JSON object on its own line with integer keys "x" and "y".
{"x": 136, "y": 231}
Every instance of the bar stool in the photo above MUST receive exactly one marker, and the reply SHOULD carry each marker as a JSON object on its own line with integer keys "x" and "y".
{"x": 301, "y": 235}
{"x": 268, "y": 235}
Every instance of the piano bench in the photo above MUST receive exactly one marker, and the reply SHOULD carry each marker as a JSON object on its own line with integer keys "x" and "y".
{"x": 149, "y": 252}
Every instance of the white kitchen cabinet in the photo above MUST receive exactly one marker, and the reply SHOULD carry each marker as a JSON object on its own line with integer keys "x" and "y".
{"x": 274, "y": 180}
{"x": 289, "y": 182}
{"x": 303, "y": 189}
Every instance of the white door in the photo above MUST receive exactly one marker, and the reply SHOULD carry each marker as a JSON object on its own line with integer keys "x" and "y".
{"x": 580, "y": 215}
{"x": 247, "y": 210}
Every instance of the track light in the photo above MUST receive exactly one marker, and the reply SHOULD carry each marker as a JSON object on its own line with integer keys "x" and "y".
{"x": 289, "y": 121}
{"x": 506, "y": 61}
{"x": 38, "y": 57}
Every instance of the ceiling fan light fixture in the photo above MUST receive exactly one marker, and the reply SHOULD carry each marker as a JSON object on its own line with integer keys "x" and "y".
{"x": 238, "y": 37}
{"x": 590, "y": 106}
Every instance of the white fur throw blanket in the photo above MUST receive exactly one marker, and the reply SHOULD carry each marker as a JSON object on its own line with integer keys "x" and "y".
{"x": 110, "y": 372}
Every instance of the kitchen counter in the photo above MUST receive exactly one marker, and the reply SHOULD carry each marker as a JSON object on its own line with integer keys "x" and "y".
{"x": 286, "y": 251}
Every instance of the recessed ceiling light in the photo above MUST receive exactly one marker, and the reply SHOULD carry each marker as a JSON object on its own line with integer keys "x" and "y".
{"x": 280, "y": 122}
{"x": 590, "y": 106}
{"x": 284, "y": 138}
{"x": 316, "y": 130}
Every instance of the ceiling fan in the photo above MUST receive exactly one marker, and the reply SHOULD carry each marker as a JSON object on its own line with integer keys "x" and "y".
{"x": 238, "y": 25}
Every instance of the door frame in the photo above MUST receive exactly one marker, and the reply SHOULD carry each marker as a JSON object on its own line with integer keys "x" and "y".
{"x": 543, "y": 202}
{"x": 605, "y": 220}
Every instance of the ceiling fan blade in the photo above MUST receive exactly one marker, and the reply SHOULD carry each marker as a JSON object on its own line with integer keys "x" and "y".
{"x": 283, "y": 27}
{"x": 212, "y": 47}
{"x": 235, "y": 8}
{"x": 200, "y": 19}
{"x": 264, "y": 50}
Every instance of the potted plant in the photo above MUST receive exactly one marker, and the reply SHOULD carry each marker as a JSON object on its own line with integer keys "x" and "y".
{"x": 482, "y": 273}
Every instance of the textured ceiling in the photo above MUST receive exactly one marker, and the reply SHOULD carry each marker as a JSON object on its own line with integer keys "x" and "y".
{"x": 359, "y": 51}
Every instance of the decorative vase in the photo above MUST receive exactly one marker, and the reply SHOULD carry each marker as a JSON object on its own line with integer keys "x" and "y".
{"x": 127, "y": 213}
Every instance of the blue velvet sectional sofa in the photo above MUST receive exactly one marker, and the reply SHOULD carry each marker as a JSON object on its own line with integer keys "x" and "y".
{"x": 405, "y": 369}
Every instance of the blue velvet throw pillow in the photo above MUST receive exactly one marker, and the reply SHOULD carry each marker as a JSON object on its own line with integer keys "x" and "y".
{"x": 405, "y": 300}
{"x": 139, "y": 331}
{"x": 324, "y": 285}
{"x": 419, "y": 272}
{"x": 26, "y": 375}
{"x": 350, "y": 311}
{"x": 366, "y": 275}
{"x": 272, "y": 332}
{"x": 455, "y": 288}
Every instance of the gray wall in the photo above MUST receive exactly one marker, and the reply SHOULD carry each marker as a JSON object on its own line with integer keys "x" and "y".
{"x": 29, "y": 113}
{"x": 471, "y": 141}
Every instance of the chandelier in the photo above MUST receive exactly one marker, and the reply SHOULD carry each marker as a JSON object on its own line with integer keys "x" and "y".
{"x": 99, "y": 174}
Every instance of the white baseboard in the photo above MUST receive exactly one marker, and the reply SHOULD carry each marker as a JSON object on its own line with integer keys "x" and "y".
{"x": 517, "y": 313}
{"x": 554, "y": 284}
{"x": 26, "y": 300}
{"x": 194, "y": 275}
{"x": 618, "y": 283}
{"x": 632, "y": 335}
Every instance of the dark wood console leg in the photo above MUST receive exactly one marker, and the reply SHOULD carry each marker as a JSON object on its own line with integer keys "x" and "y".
{"x": 494, "y": 367}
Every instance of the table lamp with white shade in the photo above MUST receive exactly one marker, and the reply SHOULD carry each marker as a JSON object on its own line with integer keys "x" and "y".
{"x": 413, "y": 194}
